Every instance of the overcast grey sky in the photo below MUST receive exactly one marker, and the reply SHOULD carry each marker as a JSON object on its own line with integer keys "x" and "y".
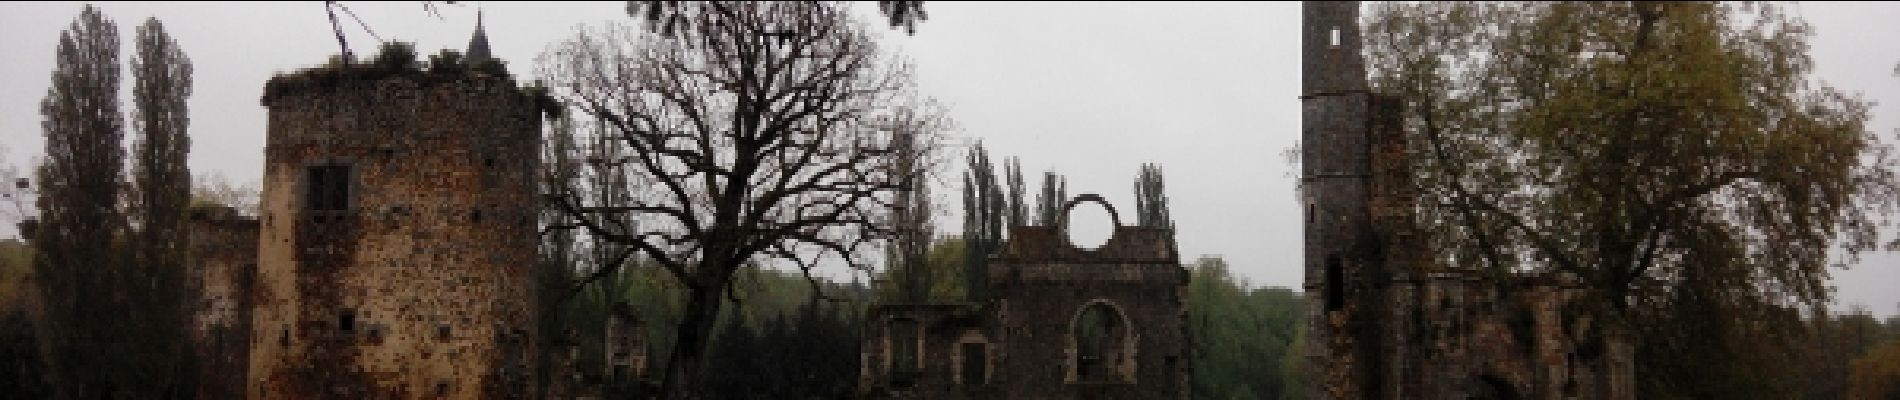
{"x": 1090, "y": 90}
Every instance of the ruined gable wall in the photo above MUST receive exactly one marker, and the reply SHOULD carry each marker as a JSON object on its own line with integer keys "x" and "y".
{"x": 1042, "y": 283}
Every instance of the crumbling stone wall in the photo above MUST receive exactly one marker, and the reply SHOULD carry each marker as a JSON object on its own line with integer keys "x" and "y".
{"x": 1386, "y": 322}
{"x": 416, "y": 282}
{"x": 1041, "y": 285}
{"x": 220, "y": 271}
{"x": 936, "y": 353}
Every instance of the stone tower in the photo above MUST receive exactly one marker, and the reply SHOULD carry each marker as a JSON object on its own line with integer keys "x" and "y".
{"x": 1346, "y": 267}
{"x": 398, "y": 236}
{"x": 1385, "y": 320}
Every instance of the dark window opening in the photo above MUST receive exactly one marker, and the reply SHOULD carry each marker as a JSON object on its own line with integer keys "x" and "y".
{"x": 904, "y": 360}
{"x": 284, "y": 339}
{"x": 1098, "y": 338}
{"x": 1335, "y": 285}
{"x": 346, "y": 322}
{"x": 488, "y": 162}
{"x": 475, "y": 216}
{"x": 442, "y": 332}
{"x": 975, "y": 363}
{"x": 328, "y": 188}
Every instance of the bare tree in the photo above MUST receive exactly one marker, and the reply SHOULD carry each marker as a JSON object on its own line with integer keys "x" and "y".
{"x": 214, "y": 189}
{"x": 669, "y": 15}
{"x": 916, "y": 162}
{"x": 15, "y": 192}
{"x": 757, "y": 132}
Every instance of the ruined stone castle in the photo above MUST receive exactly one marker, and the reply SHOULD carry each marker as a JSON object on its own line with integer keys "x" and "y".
{"x": 1384, "y": 320}
{"x": 393, "y": 251}
{"x": 1061, "y": 322}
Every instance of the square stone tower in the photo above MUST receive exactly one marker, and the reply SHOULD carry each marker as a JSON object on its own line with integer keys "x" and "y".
{"x": 1346, "y": 264}
{"x": 398, "y": 236}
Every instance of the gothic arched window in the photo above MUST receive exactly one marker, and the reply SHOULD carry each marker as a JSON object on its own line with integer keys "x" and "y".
{"x": 1100, "y": 335}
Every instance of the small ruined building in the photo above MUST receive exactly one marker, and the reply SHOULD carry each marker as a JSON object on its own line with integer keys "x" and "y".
{"x": 1384, "y": 320}
{"x": 220, "y": 274}
{"x": 624, "y": 361}
{"x": 396, "y": 237}
{"x": 1061, "y": 322}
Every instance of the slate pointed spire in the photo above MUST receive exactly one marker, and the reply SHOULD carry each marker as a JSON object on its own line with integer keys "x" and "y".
{"x": 478, "y": 45}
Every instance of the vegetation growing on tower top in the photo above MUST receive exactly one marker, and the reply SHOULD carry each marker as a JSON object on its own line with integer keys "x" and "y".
{"x": 400, "y": 60}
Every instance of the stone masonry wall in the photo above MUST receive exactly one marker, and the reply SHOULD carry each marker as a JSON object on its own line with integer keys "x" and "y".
{"x": 221, "y": 267}
{"x": 421, "y": 287}
{"x": 1041, "y": 285}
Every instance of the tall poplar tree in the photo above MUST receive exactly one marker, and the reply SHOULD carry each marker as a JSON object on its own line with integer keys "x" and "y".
{"x": 79, "y": 217}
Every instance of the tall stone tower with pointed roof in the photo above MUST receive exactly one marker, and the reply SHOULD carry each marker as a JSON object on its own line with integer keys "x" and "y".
{"x": 397, "y": 237}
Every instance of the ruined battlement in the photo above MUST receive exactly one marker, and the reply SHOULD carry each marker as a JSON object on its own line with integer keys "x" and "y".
{"x": 398, "y": 111}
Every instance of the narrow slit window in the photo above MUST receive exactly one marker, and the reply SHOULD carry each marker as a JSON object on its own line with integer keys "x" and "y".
{"x": 1335, "y": 35}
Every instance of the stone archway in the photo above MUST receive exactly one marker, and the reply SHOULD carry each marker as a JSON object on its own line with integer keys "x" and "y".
{"x": 1101, "y": 344}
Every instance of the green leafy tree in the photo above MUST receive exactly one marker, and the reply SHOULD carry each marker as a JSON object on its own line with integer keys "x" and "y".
{"x": 1673, "y": 158}
{"x": 1245, "y": 339}
{"x": 162, "y": 193}
{"x": 111, "y": 280}
{"x": 79, "y": 217}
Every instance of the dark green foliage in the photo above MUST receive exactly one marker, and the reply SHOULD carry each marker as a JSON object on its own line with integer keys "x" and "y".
{"x": 398, "y": 56}
{"x": 22, "y": 371}
{"x": 983, "y": 218}
{"x": 1246, "y": 340}
{"x": 811, "y": 354}
{"x": 1151, "y": 199}
{"x": 76, "y": 242}
{"x": 161, "y": 184}
{"x": 776, "y": 342}
{"x": 1678, "y": 159}
{"x": 112, "y": 292}
{"x": 447, "y": 62}
{"x": 1055, "y": 193}
{"x": 1017, "y": 207}
{"x": 400, "y": 59}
